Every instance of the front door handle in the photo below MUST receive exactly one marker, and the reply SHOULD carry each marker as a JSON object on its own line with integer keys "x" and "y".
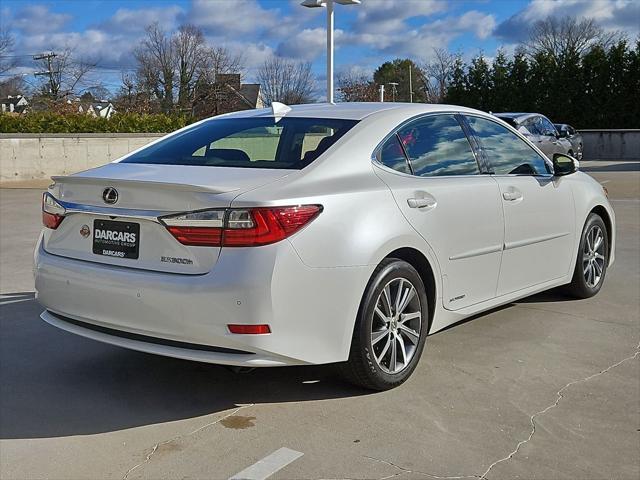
{"x": 512, "y": 195}
{"x": 421, "y": 203}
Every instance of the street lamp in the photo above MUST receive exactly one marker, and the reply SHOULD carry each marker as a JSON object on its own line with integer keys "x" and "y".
{"x": 329, "y": 6}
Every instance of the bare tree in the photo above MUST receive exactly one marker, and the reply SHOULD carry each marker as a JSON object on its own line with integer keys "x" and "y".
{"x": 64, "y": 74}
{"x": 219, "y": 60}
{"x": 156, "y": 59}
{"x": 567, "y": 36}
{"x": 6, "y": 48}
{"x": 437, "y": 73}
{"x": 191, "y": 52}
{"x": 285, "y": 81}
{"x": 357, "y": 88}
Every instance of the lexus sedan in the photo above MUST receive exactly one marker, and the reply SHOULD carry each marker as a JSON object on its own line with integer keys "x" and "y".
{"x": 540, "y": 131}
{"x": 317, "y": 234}
{"x": 574, "y": 137}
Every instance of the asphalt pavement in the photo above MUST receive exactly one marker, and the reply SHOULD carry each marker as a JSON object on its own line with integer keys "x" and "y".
{"x": 544, "y": 388}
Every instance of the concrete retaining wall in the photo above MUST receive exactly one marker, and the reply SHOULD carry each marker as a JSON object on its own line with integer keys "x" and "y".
{"x": 39, "y": 156}
{"x": 611, "y": 144}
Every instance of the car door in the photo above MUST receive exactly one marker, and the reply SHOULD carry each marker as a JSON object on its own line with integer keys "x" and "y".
{"x": 538, "y": 208}
{"x": 436, "y": 181}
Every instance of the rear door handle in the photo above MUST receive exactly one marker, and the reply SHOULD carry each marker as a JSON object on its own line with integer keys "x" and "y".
{"x": 512, "y": 195}
{"x": 421, "y": 203}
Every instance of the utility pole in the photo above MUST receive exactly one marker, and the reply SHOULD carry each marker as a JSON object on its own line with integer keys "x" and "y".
{"x": 410, "y": 86}
{"x": 49, "y": 72}
{"x": 382, "y": 93}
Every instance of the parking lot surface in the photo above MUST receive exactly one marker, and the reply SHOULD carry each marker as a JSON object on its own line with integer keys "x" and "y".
{"x": 545, "y": 388}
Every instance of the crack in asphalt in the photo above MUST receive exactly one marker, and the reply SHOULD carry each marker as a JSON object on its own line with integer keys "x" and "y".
{"x": 532, "y": 420}
{"x": 559, "y": 396}
{"x": 154, "y": 449}
{"x": 406, "y": 470}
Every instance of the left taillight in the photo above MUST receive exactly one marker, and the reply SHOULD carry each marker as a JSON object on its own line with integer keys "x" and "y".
{"x": 52, "y": 212}
{"x": 239, "y": 227}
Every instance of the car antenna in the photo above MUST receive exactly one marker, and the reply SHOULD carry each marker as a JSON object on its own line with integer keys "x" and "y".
{"x": 279, "y": 110}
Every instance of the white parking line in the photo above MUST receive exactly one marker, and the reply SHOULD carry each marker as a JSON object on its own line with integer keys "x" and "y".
{"x": 269, "y": 465}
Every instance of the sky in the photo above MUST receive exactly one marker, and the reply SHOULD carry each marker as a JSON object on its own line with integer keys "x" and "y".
{"x": 366, "y": 35}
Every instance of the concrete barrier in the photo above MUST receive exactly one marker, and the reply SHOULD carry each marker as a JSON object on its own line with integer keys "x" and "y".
{"x": 616, "y": 144}
{"x": 25, "y": 157}
{"x": 39, "y": 156}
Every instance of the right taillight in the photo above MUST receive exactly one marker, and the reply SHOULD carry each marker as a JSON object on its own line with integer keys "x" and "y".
{"x": 241, "y": 227}
{"x": 52, "y": 212}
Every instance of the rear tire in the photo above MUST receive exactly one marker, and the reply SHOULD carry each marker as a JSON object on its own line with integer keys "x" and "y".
{"x": 389, "y": 336}
{"x": 593, "y": 259}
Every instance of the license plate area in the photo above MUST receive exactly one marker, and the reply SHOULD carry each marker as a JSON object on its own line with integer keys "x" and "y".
{"x": 116, "y": 239}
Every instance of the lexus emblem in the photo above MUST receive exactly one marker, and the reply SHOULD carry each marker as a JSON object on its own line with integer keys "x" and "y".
{"x": 110, "y": 195}
{"x": 85, "y": 231}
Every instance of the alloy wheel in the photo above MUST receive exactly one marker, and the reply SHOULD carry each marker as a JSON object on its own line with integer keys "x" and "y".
{"x": 396, "y": 325}
{"x": 593, "y": 256}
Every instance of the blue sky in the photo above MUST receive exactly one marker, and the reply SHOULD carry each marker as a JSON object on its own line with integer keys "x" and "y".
{"x": 366, "y": 35}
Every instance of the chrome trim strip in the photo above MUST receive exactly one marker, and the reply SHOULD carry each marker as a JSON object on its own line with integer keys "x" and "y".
{"x": 531, "y": 241}
{"x": 153, "y": 215}
{"x": 477, "y": 253}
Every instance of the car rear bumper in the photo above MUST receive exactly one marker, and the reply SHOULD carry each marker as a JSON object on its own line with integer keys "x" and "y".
{"x": 186, "y": 316}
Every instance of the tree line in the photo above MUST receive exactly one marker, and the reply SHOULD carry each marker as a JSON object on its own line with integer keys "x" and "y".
{"x": 572, "y": 71}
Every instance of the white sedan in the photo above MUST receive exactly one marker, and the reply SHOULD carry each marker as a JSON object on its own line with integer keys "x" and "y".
{"x": 317, "y": 234}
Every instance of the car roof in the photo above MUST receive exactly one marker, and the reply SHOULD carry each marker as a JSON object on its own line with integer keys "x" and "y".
{"x": 352, "y": 110}
{"x": 517, "y": 116}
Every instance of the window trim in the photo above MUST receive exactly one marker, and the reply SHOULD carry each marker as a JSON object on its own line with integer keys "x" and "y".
{"x": 395, "y": 131}
{"x": 519, "y": 135}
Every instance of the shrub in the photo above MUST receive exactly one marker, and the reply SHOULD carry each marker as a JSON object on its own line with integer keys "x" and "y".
{"x": 50, "y": 122}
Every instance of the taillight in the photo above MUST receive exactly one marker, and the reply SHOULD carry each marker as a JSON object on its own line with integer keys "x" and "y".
{"x": 249, "y": 227}
{"x": 52, "y": 212}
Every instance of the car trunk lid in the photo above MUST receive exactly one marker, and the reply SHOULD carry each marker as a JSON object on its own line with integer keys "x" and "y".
{"x": 127, "y": 232}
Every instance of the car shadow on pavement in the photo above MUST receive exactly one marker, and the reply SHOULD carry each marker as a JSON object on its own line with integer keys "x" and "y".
{"x": 625, "y": 166}
{"x": 57, "y": 384}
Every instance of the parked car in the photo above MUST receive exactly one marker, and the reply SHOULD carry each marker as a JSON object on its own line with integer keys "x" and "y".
{"x": 574, "y": 137}
{"x": 540, "y": 131}
{"x": 317, "y": 234}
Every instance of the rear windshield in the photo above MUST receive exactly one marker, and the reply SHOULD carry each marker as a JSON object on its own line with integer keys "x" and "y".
{"x": 290, "y": 143}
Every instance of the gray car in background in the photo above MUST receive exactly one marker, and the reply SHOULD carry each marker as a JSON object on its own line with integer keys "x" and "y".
{"x": 574, "y": 137}
{"x": 540, "y": 131}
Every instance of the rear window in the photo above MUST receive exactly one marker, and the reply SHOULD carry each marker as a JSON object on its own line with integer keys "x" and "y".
{"x": 290, "y": 143}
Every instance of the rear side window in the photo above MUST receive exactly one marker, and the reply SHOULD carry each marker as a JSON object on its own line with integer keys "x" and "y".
{"x": 392, "y": 155}
{"x": 506, "y": 152}
{"x": 437, "y": 146}
{"x": 290, "y": 143}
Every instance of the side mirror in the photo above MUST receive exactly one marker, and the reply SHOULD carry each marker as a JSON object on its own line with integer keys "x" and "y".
{"x": 564, "y": 164}
{"x": 563, "y": 134}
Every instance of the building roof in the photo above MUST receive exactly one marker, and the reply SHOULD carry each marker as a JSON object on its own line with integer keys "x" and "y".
{"x": 352, "y": 110}
{"x": 13, "y": 100}
{"x": 250, "y": 91}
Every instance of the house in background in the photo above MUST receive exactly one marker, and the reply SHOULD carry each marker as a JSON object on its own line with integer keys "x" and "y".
{"x": 16, "y": 104}
{"x": 226, "y": 94}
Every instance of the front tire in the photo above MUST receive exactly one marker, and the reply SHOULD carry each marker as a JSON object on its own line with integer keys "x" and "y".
{"x": 391, "y": 328}
{"x": 593, "y": 259}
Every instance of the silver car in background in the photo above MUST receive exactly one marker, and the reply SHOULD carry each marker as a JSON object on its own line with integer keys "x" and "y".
{"x": 574, "y": 137}
{"x": 540, "y": 131}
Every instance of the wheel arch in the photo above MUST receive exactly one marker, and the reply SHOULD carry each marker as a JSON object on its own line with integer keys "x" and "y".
{"x": 420, "y": 262}
{"x": 602, "y": 212}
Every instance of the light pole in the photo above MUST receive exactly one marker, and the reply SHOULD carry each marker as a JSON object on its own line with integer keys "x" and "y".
{"x": 328, "y": 4}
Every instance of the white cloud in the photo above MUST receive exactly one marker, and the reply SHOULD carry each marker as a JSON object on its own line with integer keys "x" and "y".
{"x": 127, "y": 20}
{"x": 33, "y": 19}
{"x": 419, "y": 42}
{"x": 610, "y": 14}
